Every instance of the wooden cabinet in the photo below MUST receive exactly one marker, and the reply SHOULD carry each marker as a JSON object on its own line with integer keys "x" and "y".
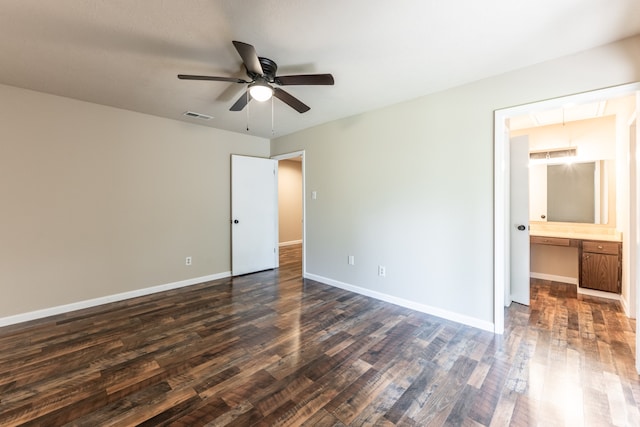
{"x": 600, "y": 265}
{"x": 599, "y": 262}
{"x": 554, "y": 241}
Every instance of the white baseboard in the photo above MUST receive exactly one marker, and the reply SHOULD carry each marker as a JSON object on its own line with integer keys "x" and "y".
{"x": 599, "y": 294}
{"x": 625, "y": 305}
{"x": 574, "y": 281}
{"x": 423, "y": 308}
{"x": 554, "y": 278}
{"x": 290, "y": 243}
{"x": 39, "y": 314}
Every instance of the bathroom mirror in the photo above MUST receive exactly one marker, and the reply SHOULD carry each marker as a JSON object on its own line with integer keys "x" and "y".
{"x": 581, "y": 192}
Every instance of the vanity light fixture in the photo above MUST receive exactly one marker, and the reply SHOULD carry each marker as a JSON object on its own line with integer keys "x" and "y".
{"x": 556, "y": 155}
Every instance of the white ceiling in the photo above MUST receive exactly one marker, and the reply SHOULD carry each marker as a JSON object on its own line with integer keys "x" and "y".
{"x": 127, "y": 54}
{"x": 569, "y": 113}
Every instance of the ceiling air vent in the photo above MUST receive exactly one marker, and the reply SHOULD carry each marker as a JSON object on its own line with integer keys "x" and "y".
{"x": 197, "y": 115}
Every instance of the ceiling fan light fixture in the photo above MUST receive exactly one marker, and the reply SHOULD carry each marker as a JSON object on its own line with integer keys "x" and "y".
{"x": 260, "y": 91}
{"x": 262, "y": 74}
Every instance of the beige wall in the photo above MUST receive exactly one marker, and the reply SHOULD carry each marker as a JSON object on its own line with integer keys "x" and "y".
{"x": 558, "y": 261}
{"x": 594, "y": 140}
{"x": 411, "y": 186}
{"x": 289, "y": 201}
{"x": 98, "y": 201}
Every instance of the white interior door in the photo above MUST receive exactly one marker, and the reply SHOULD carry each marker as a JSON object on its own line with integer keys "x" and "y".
{"x": 519, "y": 213}
{"x": 634, "y": 231}
{"x": 254, "y": 214}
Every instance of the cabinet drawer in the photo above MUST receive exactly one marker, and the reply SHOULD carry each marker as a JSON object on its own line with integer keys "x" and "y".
{"x": 555, "y": 241}
{"x": 611, "y": 248}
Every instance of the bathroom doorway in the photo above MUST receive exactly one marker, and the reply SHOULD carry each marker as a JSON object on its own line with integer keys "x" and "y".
{"x": 502, "y": 229}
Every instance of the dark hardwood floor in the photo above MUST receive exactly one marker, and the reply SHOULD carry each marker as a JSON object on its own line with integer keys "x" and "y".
{"x": 273, "y": 349}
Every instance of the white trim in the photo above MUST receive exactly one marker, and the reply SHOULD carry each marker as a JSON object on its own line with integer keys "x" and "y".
{"x": 61, "y": 309}
{"x": 276, "y": 203}
{"x": 631, "y": 303}
{"x": 581, "y": 291}
{"x": 554, "y": 278}
{"x": 599, "y": 294}
{"x": 625, "y": 305}
{"x": 291, "y": 155}
{"x": 290, "y": 243}
{"x": 500, "y": 226}
{"x": 423, "y": 308}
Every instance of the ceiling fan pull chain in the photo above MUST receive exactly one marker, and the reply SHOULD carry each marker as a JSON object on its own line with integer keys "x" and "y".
{"x": 273, "y": 132}
{"x": 247, "y": 94}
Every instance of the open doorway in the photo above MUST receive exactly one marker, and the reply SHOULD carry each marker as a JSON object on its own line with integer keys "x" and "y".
{"x": 575, "y": 161}
{"x": 503, "y": 223}
{"x": 291, "y": 211}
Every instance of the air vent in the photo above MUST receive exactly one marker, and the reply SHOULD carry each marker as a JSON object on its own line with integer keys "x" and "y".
{"x": 556, "y": 153}
{"x": 197, "y": 115}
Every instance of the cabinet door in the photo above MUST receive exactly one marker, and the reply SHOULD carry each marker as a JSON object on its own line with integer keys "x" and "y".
{"x": 600, "y": 271}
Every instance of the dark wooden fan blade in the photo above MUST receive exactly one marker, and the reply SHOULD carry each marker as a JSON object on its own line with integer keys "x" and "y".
{"x": 305, "y": 79}
{"x": 241, "y": 102}
{"x": 249, "y": 57}
{"x": 290, "y": 100}
{"x": 213, "y": 78}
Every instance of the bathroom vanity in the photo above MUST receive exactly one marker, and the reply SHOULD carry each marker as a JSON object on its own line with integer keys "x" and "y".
{"x": 598, "y": 250}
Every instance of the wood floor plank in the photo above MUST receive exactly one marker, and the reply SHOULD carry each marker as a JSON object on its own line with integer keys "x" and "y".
{"x": 322, "y": 418}
{"x": 319, "y": 394}
{"x": 373, "y": 413}
{"x": 415, "y": 395}
{"x": 272, "y": 348}
{"x": 200, "y": 413}
{"x": 442, "y": 400}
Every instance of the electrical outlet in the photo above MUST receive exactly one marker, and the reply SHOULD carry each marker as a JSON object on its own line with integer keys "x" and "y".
{"x": 382, "y": 271}
{"x": 351, "y": 260}
{"x": 187, "y": 261}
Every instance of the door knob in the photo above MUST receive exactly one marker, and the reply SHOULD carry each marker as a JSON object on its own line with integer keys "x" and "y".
{"x": 522, "y": 227}
{"x": 235, "y": 221}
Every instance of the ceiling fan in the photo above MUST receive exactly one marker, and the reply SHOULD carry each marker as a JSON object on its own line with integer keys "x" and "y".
{"x": 262, "y": 72}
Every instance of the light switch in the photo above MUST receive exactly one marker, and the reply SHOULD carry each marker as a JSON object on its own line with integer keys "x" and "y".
{"x": 314, "y": 195}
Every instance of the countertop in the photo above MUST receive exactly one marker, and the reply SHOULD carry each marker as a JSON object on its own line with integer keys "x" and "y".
{"x": 575, "y": 231}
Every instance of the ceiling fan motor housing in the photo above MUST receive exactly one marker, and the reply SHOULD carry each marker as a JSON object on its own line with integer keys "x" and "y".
{"x": 269, "y": 69}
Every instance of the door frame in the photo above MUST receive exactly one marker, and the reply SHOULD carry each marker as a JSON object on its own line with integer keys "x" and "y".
{"x": 501, "y": 193}
{"x": 293, "y": 155}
